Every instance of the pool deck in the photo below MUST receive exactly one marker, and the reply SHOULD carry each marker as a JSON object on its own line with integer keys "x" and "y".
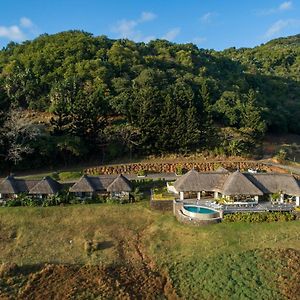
{"x": 227, "y": 209}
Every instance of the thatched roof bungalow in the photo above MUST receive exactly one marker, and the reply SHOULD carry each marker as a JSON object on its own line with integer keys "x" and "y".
{"x": 10, "y": 186}
{"x": 83, "y": 185}
{"x": 88, "y": 186}
{"x": 47, "y": 186}
{"x": 120, "y": 184}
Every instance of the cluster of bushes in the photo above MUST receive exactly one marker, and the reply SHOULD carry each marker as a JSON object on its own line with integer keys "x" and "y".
{"x": 253, "y": 217}
{"x": 65, "y": 198}
{"x": 162, "y": 194}
{"x": 148, "y": 183}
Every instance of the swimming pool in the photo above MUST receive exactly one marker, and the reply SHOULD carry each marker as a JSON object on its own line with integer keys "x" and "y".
{"x": 200, "y": 212}
{"x": 199, "y": 209}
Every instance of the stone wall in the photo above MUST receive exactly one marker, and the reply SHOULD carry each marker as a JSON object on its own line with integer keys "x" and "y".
{"x": 171, "y": 167}
{"x": 163, "y": 205}
{"x": 186, "y": 220}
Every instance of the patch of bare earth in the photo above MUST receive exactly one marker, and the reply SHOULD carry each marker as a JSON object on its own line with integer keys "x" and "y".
{"x": 133, "y": 276}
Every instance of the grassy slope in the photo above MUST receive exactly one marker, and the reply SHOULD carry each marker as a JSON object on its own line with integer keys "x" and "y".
{"x": 219, "y": 255}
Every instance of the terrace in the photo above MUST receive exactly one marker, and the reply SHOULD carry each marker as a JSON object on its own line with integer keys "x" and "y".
{"x": 227, "y": 193}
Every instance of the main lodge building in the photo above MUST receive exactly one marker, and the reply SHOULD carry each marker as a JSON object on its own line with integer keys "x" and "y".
{"x": 236, "y": 185}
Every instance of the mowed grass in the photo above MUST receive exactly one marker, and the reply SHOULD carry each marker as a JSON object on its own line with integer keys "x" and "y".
{"x": 224, "y": 260}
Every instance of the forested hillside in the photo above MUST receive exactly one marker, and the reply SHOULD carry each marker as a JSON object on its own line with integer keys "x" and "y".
{"x": 117, "y": 97}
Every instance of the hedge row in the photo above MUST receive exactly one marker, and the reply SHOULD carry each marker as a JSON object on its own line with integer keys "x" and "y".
{"x": 253, "y": 217}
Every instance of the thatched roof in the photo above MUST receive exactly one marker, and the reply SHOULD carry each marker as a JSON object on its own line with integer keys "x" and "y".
{"x": 46, "y": 186}
{"x": 189, "y": 182}
{"x": 83, "y": 185}
{"x": 238, "y": 184}
{"x": 11, "y": 185}
{"x": 8, "y": 186}
{"x": 88, "y": 184}
{"x": 221, "y": 170}
{"x": 120, "y": 184}
{"x": 271, "y": 183}
{"x": 194, "y": 181}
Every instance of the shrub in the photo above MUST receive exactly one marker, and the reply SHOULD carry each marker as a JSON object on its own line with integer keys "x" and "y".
{"x": 55, "y": 176}
{"x": 281, "y": 155}
{"x": 137, "y": 194}
{"x": 275, "y": 196}
{"x": 113, "y": 200}
{"x": 141, "y": 173}
{"x": 252, "y": 217}
{"x": 13, "y": 203}
{"x": 28, "y": 201}
{"x": 179, "y": 170}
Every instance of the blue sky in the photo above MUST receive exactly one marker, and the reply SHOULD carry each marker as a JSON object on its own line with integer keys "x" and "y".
{"x": 210, "y": 24}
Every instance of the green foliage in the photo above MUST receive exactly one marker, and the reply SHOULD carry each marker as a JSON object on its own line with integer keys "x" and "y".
{"x": 244, "y": 275}
{"x": 179, "y": 170}
{"x": 170, "y": 98}
{"x": 162, "y": 193}
{"x": 281, "y": 155}
{"x": 64, "y": 176}
{"x": 142, "y": 173}
{"x": 137, "y": 194}
{"x": 275, "y": 196}
{"x": 259, "y": 217}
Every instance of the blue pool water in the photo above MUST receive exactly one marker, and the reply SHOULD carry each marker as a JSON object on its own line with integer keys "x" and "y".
{"x": 199, "y": 210}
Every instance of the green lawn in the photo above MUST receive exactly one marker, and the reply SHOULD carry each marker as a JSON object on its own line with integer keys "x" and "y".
{"x": 62, "y": 176}
{"x": 216, "y": 254}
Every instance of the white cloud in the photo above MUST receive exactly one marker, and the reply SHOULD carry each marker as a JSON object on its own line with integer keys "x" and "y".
{"x": 277, "y": 27}
{"x": 26, "y": 22}
{"x": 285, "y": 5}
{"x": 206, "y": 18}
{"x": 172, "y": 34}
{"x": 13, "y": 33}
{"x": 19, "y": 32}
{"x": 127, "y": 28}
{"x": 147, "y": 16}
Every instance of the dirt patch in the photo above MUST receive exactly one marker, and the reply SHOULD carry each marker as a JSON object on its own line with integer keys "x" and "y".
{"x": 89, "y": 282}
{"x": 133, "y": 276}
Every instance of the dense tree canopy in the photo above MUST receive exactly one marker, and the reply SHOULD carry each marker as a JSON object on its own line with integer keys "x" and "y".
{"x": 163, "y": 97}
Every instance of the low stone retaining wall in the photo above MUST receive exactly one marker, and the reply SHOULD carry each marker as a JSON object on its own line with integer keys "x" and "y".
{"x": 171, "y": 167}
{"x": 189, "y": 221}
{"x": 162, "y": 205}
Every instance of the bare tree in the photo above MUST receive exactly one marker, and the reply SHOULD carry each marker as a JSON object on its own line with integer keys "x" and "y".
{"x": 16, "y": 134}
